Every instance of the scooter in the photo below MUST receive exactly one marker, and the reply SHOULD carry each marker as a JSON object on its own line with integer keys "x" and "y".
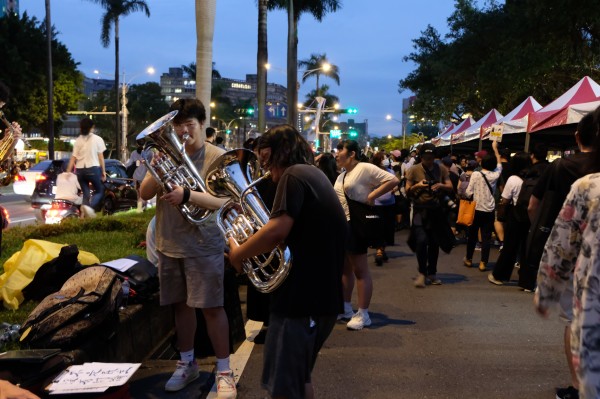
{"x": 61, "y": 209}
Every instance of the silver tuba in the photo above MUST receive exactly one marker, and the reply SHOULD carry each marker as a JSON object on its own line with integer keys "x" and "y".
{"x": 234, "y": 173}
{"x": 170, "y": 165}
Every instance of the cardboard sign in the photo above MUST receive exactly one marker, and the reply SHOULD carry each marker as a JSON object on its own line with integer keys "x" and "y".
{"x": 496, "y": 133}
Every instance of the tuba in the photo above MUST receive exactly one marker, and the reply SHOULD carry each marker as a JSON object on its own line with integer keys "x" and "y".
{"x": 234, "y": 173}
{"x": 170, "y": 166}
{"x": 7, "y": 147}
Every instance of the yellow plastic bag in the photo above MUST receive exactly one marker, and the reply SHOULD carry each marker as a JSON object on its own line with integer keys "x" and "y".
{"x": 20, "y": 268}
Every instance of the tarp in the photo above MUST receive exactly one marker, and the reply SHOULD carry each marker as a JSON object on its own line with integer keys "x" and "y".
{"x": 474, "y": 131}
{"x": 436, "y": 140}
{"x": 516, "y": 120}
{"x": 568, "y": 108}
{"x": 446, "y": 137}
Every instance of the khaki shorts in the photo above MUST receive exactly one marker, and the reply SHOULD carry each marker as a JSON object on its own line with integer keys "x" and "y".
{"x": 196, "y": 281}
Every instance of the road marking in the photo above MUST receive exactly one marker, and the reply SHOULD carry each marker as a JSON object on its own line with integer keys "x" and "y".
{"x": 13, "y": 222}
{"x": 239, "y": 359}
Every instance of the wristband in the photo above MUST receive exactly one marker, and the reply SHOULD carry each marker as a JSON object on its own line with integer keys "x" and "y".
{"x": 186, "y": 196}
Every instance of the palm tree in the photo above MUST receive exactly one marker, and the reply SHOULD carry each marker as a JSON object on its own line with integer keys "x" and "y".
{"x": 205, "y": 27}
{"x": 314, "y": 67}
{"x": 262, "y": 58}
{"x": 295, "y": 8}
{"x": 114, "y": 10}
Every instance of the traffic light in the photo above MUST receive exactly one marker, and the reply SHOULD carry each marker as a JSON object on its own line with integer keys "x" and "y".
{"x": 352, "y": 133}
{"x": 352, "y": 110}
{"x": 347, "y": 111}
{"x": 248, "y": 111}
{"x": 228, "y": 131}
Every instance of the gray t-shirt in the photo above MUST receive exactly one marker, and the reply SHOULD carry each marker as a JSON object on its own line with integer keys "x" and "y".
{"x": 178, "y": 238}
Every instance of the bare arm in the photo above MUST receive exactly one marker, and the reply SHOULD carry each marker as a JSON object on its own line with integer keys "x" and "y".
{"x": 149, "y": 187}
{"x": 205, "y": 200}
{"x": 382, "y": 189}
{"x": 102, "y": 165}
{"x": 496, "y": 152}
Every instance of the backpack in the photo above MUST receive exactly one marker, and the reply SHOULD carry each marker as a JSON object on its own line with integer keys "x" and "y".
{"x": 86, "y": 301}
{"x": 520, "y": 209}
{"x": 130, "y": 170}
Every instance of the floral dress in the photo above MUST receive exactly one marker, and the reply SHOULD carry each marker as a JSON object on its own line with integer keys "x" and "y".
{"x": 573, "y": 247}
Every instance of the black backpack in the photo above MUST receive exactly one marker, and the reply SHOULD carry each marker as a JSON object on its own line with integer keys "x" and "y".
{"x": 520, "y": 209}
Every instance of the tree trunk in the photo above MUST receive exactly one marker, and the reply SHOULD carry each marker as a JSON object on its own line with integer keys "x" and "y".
{"x": 292, "y": 66}
{"x": 50, "y": 84}
{"x": 205, "y": 27}
{"x": 117, "y": 110}
{"x": 261, "y": 61}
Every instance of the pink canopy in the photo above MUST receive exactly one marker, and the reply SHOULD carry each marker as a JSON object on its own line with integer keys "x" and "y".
{"x": 445, "y": 139}
{"x": 516, "y": 120}
{"x": 568, "y": 108}
{"x": 474, "y": 131}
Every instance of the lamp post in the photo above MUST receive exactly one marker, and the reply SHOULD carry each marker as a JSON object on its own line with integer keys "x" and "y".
{"x": 390, "y": 118}
{"x": 227, "y": 126}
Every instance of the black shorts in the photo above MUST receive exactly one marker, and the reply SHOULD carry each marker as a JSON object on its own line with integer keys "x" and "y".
{"x": 291, "y": 349}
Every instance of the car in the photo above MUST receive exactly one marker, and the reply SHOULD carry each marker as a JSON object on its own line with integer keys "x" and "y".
{"x": 26, "y": 180}
{"x": 120, "y": 192}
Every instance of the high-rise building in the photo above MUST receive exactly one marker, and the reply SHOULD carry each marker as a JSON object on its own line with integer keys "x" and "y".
{"x": 9, "y": 7}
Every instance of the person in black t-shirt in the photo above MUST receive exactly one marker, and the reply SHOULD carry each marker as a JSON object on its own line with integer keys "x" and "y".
{"x": 308, "y": 217}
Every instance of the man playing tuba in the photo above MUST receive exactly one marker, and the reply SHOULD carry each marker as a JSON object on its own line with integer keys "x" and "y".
{"x": 190, "y": 256}
{"x": 308, "y": 217}
{"x": 8, "y": 139}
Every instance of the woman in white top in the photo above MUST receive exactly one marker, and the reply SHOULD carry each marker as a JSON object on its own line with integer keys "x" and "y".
{"x": 515, "y": 229}
{"x": 88, "y": 160}
{"x": 362, "y": 182}
{"x": 482, "y": 186}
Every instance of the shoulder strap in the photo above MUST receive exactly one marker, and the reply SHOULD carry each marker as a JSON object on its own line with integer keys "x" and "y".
{"x": 430, "y": 175}
{"x": 487, "y": 182}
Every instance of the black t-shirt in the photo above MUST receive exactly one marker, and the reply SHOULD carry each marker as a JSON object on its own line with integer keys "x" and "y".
{"x": 317, "y": 242}
{"x": 562, "y": 174}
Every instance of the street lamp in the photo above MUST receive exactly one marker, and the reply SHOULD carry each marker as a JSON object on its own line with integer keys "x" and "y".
{"x": 227, "y": 126}
{"x": 390, "y": 118}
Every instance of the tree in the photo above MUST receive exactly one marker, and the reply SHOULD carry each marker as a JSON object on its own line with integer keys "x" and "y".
{"x": 147, "y": 104}
{"x": 114, "y": 10}
{"x": 314, "y": 67}
{"x": 295, "y": 8}
{"x": 205, "y": 28}
{"x": 262, "y": 57}
{"x": 22, "y": 40}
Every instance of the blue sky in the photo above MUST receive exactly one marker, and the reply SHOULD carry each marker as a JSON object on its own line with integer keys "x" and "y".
{"x": 367, "y": 40}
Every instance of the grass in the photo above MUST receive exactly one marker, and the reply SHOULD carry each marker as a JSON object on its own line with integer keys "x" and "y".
{"x": 107, "y": 237}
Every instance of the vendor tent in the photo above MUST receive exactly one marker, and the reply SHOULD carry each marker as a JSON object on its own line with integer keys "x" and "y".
{"x": 436, "y": 140}
{"x": 516, "y": 120}
{"x": 568, "y": 108}
{"x": 474, "y": 131}
{"x": 445, "y": 139}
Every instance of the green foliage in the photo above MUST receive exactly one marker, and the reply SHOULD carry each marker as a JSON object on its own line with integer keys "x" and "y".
{"x": 495, "y": 57}
{"x": 59, "y": 145}
{"x": 23, "y": 44}
{"x": 145, "y": 104}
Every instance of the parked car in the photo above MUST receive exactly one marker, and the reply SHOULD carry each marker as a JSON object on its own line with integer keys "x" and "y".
{"x": 119, "y": 194}
{"x": 25, "y": 182}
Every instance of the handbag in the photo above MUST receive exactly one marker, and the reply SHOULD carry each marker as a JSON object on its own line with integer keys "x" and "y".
{"x": 366, "y": 223}
{"x": 466, "y": 212}
{"x": 502, "y": 211}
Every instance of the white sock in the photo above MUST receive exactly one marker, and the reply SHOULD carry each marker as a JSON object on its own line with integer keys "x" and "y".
{"x": 223, "y": 365}
{"x": 348, "y": 307}
{"x": 188, "y": 356}
{"x": 364, "y": 312}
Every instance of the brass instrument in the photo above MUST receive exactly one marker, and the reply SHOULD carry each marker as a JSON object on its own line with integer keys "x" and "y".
{"x": 235, "y": 173}
{"x": 170, "y": 166}
{"x": 9, "y": 141}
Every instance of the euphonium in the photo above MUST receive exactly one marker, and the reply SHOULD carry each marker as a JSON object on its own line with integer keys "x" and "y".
{"x": 234, "y": 173}
{"x": 171, "y": 166}
{"x": 9, "y": 141}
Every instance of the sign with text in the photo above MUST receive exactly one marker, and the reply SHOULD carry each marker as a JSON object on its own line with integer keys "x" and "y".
{"x": 496, "y": 133}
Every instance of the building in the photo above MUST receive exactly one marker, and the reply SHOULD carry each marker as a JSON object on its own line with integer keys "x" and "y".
{"x": 175, "y": 85}
{"x": 9, "y": 7}
{"x": 91, "y": 86}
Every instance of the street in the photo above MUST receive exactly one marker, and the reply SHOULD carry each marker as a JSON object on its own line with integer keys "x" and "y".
{"x": 19, "y": 209}
{"x": 465, "y": 338}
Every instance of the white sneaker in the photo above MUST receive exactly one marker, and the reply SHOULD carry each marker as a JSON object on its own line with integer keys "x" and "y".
{"x": 359, "y": 321}
{"x": 183, "y": 375}
{"x": 226, "y": 385}
{"x": 347, "y": 315}
{"x": 88, "y": 211}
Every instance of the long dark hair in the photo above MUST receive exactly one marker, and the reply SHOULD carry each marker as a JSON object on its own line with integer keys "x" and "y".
{"x": 328, "y": 165}
{"x": 287, "y": 146}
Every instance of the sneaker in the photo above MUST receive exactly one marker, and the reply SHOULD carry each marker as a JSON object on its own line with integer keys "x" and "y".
{"x": 359, "y": 321}
{"x": 478, "y": 246}
{"x": 433, "y": 280}
{"x": 517, "y": 265}
{"x": 183, "y": 375}
{"x": 501, "y": 246}
{"x": 226, "y": 385}
{"x": 346, "y": 315}
{"x": 567, "y": 393}
{"x": 468, "y": 262}
{"x": 493, "y": 280}
{"x": 420, "y": 281}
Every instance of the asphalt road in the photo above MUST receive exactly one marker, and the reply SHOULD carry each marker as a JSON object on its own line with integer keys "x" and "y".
{"x": 464, "y": 339}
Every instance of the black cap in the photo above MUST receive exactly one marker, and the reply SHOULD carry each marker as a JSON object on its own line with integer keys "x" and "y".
{"x": 427, "y": 148}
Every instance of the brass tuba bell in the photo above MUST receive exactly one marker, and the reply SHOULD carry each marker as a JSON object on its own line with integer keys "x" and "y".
{"x": 170, "y": 165}
{"x": 235, "y": 173}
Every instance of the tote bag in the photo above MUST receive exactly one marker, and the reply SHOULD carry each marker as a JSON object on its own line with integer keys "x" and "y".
{"x": 466, "y": 212}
